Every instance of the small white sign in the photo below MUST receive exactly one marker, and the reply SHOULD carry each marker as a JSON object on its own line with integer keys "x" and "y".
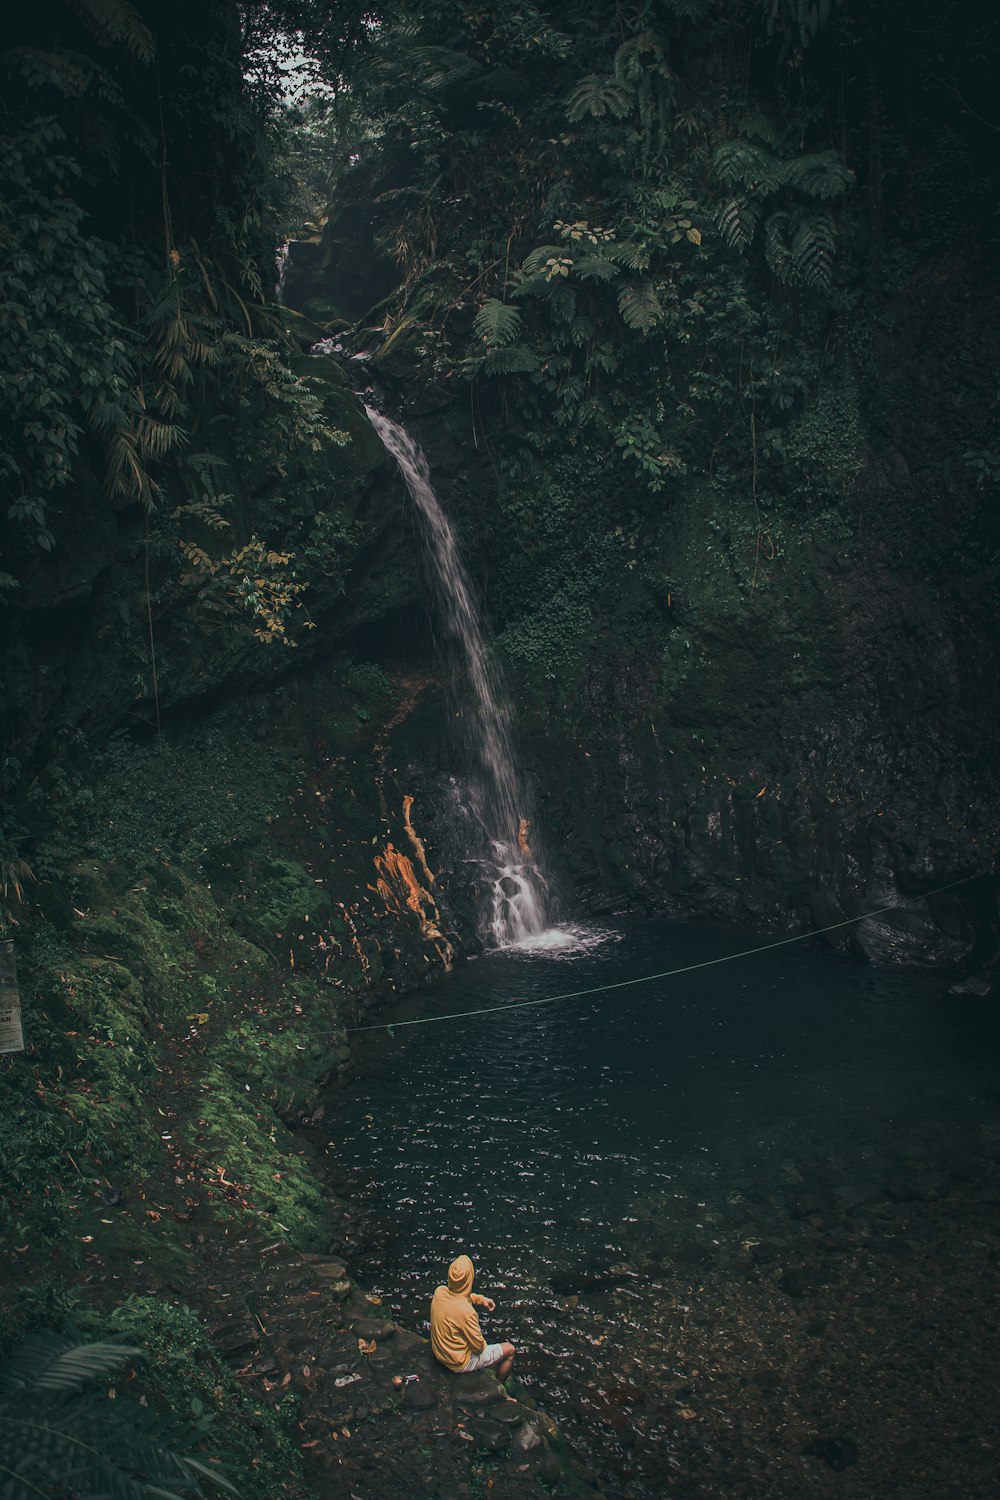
{"x": 11, "y": 1030}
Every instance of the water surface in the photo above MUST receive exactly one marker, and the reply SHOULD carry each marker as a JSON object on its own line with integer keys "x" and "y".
{"x": 614, "y": 1163}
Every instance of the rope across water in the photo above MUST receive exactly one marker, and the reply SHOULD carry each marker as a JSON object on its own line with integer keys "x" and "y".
{"x": 708, "y": 963}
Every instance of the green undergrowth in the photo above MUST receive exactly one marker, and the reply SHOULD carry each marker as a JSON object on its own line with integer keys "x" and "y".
{"x": 206, "y": 916}
{"x": 207, "y": 921}
{"x": 184, "y": 1375}
{"x": 163, "y": 1047}
{"x": 182, "y": 1381}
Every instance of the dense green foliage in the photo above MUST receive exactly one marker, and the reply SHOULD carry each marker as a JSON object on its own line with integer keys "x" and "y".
{"x": 653, "y": 238}
{"x": 58, "y": 1432}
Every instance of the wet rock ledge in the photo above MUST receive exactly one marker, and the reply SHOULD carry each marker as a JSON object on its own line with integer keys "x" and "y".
{"x": 377, "y": 1414}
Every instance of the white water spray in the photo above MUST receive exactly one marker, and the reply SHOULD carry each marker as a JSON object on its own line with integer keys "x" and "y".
{"x": 498, "y": 798}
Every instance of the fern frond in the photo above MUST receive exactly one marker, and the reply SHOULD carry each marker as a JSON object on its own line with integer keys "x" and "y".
{"x": 514, "y": 360}
{"x": 195, "y": 1467}
{"x": 593, "y": 409}
{"x": 760, "y": 127}
{"x": 562, "y": 303}
{"x": 497, "y": 324}
{"x": 598, "y": 97}
{"x": 640, "y": 307}
{"x": 596, "y": 268}
{"x": 57, "y": 1438}
{"x": 603, "y": 357}
{"x": 737, "y": 220}
{"x": 581, "y": 331}
{"x": 436, "y": 67}
{"x": 530, "y": 286}
{"x": 537, "y": 259}
{"x": 117, "y": 21}
{"x": 632, "y": 254}
{"x": 742, "y": 164}
{"x": 814, "y": 244}
{"x": 32, "y": 1361}
{"x": 777, "y": 251}
{"x": 821, "y": 175}
{"x": 630, "y": 58}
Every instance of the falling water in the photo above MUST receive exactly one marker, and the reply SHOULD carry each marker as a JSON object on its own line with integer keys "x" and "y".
{"x": 281, "y": 267}
{"x": 496, "y": 799}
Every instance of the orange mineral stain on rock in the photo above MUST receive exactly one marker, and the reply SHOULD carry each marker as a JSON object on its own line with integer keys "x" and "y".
{"x": 416, "y": 841}
{"x": 522, "y": 838}
{"x": 398, "y": 886}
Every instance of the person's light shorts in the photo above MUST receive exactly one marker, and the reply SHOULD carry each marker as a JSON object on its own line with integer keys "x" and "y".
{"x": 491, "y": 1355}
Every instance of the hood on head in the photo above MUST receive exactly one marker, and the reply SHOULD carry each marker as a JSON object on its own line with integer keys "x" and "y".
{"x": 460, "y": 1274}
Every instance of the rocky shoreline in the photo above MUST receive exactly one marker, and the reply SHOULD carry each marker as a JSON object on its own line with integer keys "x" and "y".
{"x": 378, "y": 1417}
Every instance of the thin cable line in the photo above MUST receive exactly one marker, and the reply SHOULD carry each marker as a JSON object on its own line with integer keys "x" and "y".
{"x": 708, "y": 963}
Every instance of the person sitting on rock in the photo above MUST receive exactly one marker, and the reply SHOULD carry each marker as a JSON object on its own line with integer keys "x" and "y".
{"x": 456, "y": 1338}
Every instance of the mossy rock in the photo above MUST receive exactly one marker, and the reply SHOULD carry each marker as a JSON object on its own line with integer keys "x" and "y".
{"x": 364, "y": 453}
{"x": 288, "y": 897}
{"x": 326, "y": 314}
{"x": 303, "y": 330}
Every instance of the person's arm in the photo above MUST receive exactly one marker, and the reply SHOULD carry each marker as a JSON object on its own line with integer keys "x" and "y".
{"x": 486, "y": 1302}
{"x": 473, "y": 1332}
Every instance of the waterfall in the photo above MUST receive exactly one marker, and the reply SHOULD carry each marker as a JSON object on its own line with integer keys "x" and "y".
{"x": 281, "y": 267}
{"x": 495, "y": 797}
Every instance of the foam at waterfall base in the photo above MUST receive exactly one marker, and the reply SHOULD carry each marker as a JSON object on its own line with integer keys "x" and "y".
{"x": 563, "y": 941}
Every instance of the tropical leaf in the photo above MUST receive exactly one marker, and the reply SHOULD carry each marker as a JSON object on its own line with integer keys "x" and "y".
{"x": 50, "y": 1362}
{"x": 598, "y": 97}
{"x": 596, "y": 268}
{"x": 497, "y": 323}
{"x": 777, "y": 250}
{"x": 820, "y": 175}
{"x": 814, "y": 243}
{"x": 639, "y": 306}
{"x": 514, "y": 360}
{"x": 58, "y": 1438}
{"x": 634, "y": 255}
{"x": 760, "y": 127}
{"x": 117, "y": 21}
{"x": 737, "y": 219}
{"x": 440, "y": 66}
{"x": 530, "y": 286}
{"x": 537, "y": 259}
{"x": 581, "y": 330}
{"x": 742, "y": 164}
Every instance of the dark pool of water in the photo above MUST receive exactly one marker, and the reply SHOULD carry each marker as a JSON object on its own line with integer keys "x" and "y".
{"x": 607, "y": 1159}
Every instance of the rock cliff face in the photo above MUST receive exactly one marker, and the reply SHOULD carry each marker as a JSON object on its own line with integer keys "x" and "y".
{"x": 786, "y": 719}
{"x": 790, "y": 721}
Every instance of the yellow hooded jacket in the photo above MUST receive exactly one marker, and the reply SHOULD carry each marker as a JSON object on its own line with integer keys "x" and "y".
{"x": 455, "y": 1330}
